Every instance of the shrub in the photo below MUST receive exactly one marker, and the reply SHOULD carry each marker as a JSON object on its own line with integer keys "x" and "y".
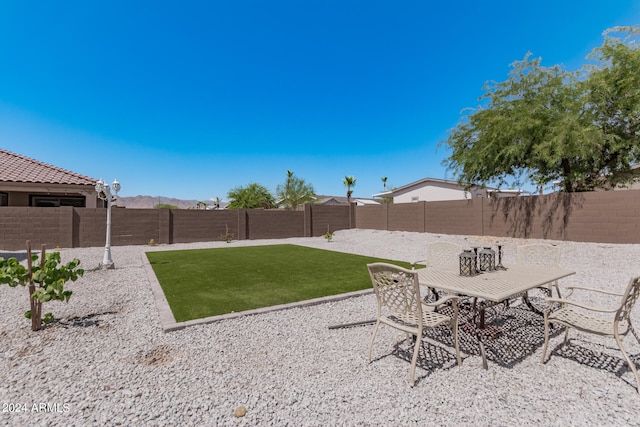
{"x": 49, "y": 275}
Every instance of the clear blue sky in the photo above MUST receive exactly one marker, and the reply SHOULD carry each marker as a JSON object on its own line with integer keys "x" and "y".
{"x": 190, "y": 99}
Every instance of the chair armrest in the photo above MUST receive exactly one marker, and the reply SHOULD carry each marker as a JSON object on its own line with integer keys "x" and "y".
{"x": 420, "y": 261}
{"x": 582, "y": 288}
{"x": 441, "y": 301}
{"x": 577, "y": 304}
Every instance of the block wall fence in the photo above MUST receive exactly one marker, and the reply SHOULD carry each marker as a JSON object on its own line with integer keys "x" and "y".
{"x": 605, "y": 217}
{"x": 601, "y": 217}
{"x": 68, "y": 227}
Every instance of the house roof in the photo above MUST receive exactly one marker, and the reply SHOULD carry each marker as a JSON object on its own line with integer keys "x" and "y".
{"x": 421, "y": 183}
{"x": 17, "y": 168}
{"x": 342, "y": 200}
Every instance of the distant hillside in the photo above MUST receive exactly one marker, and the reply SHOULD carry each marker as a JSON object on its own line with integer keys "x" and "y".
{"x": 148, "y": 202}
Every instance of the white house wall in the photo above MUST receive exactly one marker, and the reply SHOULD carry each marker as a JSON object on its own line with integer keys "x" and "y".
{"x": 430, "y": 193}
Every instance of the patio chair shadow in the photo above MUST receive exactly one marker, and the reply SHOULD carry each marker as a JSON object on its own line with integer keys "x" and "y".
{"x": 431, "y": 356}
{"x": 603, "y": 360}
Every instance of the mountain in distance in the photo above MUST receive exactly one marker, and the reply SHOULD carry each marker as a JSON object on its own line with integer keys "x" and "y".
{"x": 149, "y": 202}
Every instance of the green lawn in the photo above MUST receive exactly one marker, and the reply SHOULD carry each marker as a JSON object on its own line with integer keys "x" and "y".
{"x": 208, "y": 282}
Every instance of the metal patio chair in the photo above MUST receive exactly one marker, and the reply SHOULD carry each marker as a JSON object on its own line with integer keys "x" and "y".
{"x": 441, "y": 256}
{"x": 543, "y": 255}
{"x": 579, "y": 316}
{"x": 399, "y": 305}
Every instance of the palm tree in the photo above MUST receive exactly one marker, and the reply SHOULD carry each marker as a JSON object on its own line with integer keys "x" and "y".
{"x": 384, "y": 182}
{"x": 250, "y": 197}
{"x": 349, "y": 182}
{"x": 295, "y": 192}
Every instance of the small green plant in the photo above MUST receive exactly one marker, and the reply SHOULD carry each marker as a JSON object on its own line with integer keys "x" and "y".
{"x": 328, "y": 235}
{"x": 46, "y": 281}
{"x": 152, "y": 242}
{"x": 227, "y": 237}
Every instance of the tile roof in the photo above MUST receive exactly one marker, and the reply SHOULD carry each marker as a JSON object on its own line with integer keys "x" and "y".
{"x": 17, "y": 168}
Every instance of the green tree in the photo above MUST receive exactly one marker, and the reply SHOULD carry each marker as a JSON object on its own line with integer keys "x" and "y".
{"x": 165, "y": 206}
{"x": 349, "y": 182}
{"x": 545, "y": 124}
{"x": 294, "y": 192}
{"x": 249, "y": 197}
{"x": 614, "y": 101}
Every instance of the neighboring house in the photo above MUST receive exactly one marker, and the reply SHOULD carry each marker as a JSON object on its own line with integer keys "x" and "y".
{"x": 342, "y": 200}
{"x": 28, "y": 182}
{"x": 635, "y": 185}
{"x": 431, "y": 190}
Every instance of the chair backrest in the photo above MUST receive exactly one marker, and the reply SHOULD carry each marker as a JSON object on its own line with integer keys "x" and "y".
{"x": 541, "y": 254}
{"x": 397, "y": 289}
{"x": 629, "y": 299}
{"x": 443, "y": 256}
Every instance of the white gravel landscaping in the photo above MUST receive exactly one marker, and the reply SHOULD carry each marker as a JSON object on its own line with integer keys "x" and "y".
{"x": 106, "y": 360}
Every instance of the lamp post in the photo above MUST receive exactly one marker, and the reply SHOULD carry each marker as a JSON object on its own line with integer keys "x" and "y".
{"x": 104, "y": 193}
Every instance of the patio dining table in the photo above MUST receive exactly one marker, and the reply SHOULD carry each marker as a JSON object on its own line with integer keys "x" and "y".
{"x": 492, "y": 287}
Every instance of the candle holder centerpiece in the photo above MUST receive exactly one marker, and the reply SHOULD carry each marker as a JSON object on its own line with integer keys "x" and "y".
{"x": 499, "y": 266}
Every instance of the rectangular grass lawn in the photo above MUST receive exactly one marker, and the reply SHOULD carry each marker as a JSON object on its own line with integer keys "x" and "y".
{"x": 209, "y": 282}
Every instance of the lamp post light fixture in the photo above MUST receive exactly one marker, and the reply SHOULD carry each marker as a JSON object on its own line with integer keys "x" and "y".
{"x": 104, "y": 193}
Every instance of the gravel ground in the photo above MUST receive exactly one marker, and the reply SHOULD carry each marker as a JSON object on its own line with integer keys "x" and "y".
{"x": 106, "y": 360}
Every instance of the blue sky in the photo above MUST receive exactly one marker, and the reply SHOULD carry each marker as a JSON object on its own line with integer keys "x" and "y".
{"x": 190, "y": 99}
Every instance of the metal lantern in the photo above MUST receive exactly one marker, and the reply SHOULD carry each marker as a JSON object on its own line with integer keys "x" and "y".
{"x": 487, "y": 259}
{"x": 467, "y": 263}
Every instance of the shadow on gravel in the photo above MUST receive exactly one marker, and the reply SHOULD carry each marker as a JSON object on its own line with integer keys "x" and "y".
{"x": 513, "y": 334}
{"x": 430, "y": 357}
{"x": 610, "y": 360}
{"x": 81, "y": 321}
{"x": 20, "y": 256}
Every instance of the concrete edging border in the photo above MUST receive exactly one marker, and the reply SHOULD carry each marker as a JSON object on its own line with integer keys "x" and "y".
{"x": 168, "y": 321}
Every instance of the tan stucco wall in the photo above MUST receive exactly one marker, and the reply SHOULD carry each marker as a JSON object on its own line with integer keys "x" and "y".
{"x": 435, "y": 191}
{"x": 18, "y": 193}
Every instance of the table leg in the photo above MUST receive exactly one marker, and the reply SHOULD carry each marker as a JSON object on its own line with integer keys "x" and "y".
{"x": 479, "y": 330}
{"x": 478, "y": 323}
{"x": 526, "y": 300}
{"x": 483, "y": 353}
{"x": 478, "y": 319}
